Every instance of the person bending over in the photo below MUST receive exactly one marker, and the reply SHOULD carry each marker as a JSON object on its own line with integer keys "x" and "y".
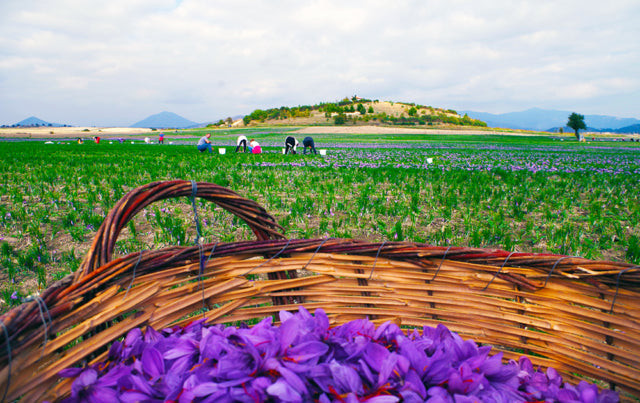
{"x": 204, "y": 143}
{"x": 290, "y": 144}
{"x": 254, "y": 147}
{"x": 241, "y": 142}
{"x": 308, "y": 143}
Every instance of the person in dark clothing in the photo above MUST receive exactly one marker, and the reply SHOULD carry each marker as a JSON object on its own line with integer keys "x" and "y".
{"x": 290, "y": 144}
{"x": 308, "y": 142}
{"x": 241, "y": 142}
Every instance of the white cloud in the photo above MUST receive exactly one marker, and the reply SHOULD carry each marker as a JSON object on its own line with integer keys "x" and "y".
{"x": 72, "y": 83}
{"x": 207, "y": 60}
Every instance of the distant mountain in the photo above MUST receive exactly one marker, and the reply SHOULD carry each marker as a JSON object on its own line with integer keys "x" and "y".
{"x": 543, "y": 119}
{"x": 35, "y": 122}
{"x": 629, "y": 129}
{"x": 165, "y": 120}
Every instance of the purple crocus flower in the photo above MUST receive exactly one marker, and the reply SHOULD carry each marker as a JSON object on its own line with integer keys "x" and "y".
{"x": 133, "y": 344}
{"x": 282, "y": 390}
{"x": 183, "y": 354}
{"x": 87, "y": 388}
{"x": 239, "y": 360}
{"x": 305, "y": 360}
{"x": 304, "y": 356}
{"x": 301, "y": 327}
{"x": 464, "y": 381}
{"x": 375, "y": 355}
{"x": 345, "y": 378}
{"x": 152, "y": 363}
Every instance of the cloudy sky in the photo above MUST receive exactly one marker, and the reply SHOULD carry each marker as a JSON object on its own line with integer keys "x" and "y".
{"x": 115, "y": 62}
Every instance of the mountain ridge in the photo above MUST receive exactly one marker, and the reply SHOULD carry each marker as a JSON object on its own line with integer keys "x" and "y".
{"x": 166, "y": 120}
{"x": 548, "y": 119}
{"x": 33, "y": 121}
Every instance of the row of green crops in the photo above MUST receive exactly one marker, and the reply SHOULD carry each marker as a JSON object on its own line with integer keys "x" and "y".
{"x": 514, "y": 193}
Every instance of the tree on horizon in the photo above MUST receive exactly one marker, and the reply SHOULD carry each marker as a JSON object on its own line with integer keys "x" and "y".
{"x": 576, "y": 122}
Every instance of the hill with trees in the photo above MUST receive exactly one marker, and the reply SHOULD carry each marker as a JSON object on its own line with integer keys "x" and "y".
{"x": 33, "y": 121}
{"x": 356, "y": 110}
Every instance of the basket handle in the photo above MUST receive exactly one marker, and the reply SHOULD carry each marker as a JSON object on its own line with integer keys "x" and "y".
{"x": 263, "y": 225}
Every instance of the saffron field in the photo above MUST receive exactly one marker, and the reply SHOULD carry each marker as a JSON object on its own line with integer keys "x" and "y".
{"x": 518, "y": 193}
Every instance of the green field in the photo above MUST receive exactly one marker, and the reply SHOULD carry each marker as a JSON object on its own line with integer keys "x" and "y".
{"x": 518, "y": 193}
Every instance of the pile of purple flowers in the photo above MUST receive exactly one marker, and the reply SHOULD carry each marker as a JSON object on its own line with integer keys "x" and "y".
{"x": 304, "y": 360}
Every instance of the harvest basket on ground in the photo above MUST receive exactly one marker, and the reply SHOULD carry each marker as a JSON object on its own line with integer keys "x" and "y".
{"x": 580, "y": 316}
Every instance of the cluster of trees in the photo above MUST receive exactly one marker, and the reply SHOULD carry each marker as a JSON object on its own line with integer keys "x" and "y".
{"x": 430, "y": 119}
{"x": 33, "y": 125}
{"x": 228, "y": 121}
{"x": 284, "y": 112}
{"x": 345, "y": 105}
{"x": 330, "y": 109}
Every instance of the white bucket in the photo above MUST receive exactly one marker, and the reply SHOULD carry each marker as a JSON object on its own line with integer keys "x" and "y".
{"x": 429, "y": 160}
{"x": 323, "y": 152}
{"x": 222, "y": 150}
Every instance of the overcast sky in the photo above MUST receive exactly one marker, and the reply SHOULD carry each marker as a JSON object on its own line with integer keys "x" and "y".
{"x": 115, "y": 62}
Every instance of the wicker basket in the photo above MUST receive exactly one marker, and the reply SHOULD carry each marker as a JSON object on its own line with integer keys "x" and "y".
{"x": 576, "y": 315}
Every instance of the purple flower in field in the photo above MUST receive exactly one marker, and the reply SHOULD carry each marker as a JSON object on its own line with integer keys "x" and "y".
{"x": 14, "y": 295}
